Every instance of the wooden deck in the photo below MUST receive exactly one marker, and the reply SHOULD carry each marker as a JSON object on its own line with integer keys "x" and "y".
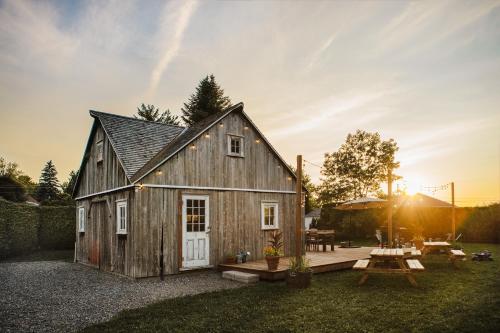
{"x": 320, "y": 262}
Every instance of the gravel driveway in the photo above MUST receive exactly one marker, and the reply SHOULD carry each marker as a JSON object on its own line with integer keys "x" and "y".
{"x": 48, "y": 296}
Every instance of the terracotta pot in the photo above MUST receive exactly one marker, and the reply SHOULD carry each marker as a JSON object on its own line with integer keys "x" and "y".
{"x": 231, "y": 260}
{"x": 272, "y": 262}
{"x": 299, "y": 280}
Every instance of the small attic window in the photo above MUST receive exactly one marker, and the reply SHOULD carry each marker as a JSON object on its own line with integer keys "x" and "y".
{"x": 99, "y": 152}
{"x": 235, "y": 145}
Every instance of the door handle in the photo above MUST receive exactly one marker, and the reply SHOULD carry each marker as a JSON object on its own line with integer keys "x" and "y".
{"x": 208, "y": 230}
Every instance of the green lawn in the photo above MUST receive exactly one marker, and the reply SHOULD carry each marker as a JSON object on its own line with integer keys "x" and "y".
{"x": 44, "y": 255}
{"x": 447, "y": 300}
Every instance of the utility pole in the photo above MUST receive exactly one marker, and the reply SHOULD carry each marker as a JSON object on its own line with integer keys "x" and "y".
{"x": 453, "y": 213}
{"x": 298, "y": 210}
{"x": 389, "y": 209}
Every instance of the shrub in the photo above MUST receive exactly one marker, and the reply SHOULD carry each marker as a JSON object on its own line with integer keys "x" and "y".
{"x": 18, "y": 228}
{"x": 25, "y": 228}
{"x": 57, "y": 227}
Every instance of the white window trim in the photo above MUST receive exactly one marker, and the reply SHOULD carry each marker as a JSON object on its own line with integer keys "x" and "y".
{"x": 242, "y": 145}
{"x": 81, "y": 223}
{"x": 101, "y": 142}
{"x": 119, "y": 204}
{"x": 265, "y": 204}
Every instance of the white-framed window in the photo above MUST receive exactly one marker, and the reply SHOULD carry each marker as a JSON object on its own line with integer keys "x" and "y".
{"x": 121, "y": 217}
{"x": 235, "y": 145}
{"x": 100, "y": 151}
{"x": 269, "y": 215}
{"x": 81, "y": 219}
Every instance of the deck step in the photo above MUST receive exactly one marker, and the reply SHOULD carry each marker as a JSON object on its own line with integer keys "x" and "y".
{"x": 240, "y": 276}
{"x": 361, "y": 264}
{"x": 415, "y": 265}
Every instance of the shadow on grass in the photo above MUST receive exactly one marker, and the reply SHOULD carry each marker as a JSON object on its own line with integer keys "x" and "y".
{"x": 447, "y": 300}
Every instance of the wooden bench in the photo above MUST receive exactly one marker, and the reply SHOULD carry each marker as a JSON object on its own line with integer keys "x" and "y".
{"x": 361, "y": 264}
{"x": 456, "y": 255}
{"x": 415, "y": 265}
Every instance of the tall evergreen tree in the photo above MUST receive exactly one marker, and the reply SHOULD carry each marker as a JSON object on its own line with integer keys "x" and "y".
{"x": 48, "y": 187}
{"x": 152, "y": 113}
{"x": 208, "y": 99}
{"x": 67, "y": 186}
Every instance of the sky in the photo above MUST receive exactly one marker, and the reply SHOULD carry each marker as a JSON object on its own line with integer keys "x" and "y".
{"x": 425, "y": 73}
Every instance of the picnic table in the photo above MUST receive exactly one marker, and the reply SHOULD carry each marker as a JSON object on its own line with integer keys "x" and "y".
{"x": 434, "y": 246}
{"x": 444, "y": 247}
{"x": 390, "y": 261}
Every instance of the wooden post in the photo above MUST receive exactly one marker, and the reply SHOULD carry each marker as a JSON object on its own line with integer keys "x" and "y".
{"x": 389, "y": 209}
{"x": 298, "y": 210}
{"x": 453, "y": 216}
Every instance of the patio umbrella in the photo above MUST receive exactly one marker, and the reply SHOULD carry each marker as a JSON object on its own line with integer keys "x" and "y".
{"x": 361, "y": 203}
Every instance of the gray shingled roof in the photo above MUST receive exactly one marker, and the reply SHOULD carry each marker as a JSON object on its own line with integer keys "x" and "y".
{"x": 135, "y": 141}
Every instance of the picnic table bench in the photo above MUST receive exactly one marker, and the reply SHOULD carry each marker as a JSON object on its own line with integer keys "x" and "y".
{"x": 453, "y": 255}
{"x": 390, "y": 261}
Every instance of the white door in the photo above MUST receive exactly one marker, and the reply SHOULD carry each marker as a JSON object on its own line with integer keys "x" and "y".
{"x": 195, "y": 231}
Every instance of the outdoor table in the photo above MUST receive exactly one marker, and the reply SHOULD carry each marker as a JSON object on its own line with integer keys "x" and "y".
{"x": 327, "y": 237}
{"x": 388, "y": 257}
{"x": 430, "y": 246}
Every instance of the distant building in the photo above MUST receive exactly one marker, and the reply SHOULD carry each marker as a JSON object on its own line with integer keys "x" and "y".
{"x": 312, "y": 216}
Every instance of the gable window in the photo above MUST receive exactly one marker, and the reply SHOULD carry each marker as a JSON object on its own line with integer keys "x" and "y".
{"x": 235, "y": 145}
{"x": 269, "y": 215}
{"x": 121, "y": 217}
{"x": 81, "y": 219}
{"x": 100, "y": 151}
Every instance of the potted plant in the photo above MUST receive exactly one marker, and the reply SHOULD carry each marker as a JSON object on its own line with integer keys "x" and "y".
{"x": 273, "y": 251}
{"x": 300, "y": 273}
{"x": 230, "y": 258}
{"x": 419, "y": 241}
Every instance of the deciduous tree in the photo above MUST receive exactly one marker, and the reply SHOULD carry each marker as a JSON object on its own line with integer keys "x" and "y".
{"x": 358, "y": 168}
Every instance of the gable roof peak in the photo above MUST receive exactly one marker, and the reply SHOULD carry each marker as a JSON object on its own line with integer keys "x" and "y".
{"x": 98, "y": 114}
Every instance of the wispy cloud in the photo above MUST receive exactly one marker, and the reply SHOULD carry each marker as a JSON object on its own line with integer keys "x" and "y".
{"x": 429, "y": 24}
{"x": 322, "y": 113}
{"x": 29, "y": 35}
{"x": 176, "y": 16}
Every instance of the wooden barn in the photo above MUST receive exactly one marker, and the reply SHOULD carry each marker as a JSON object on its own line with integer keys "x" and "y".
{"x": 155, "y": 198}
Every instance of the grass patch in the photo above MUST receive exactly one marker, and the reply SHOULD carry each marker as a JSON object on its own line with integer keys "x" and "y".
{"x": 44, "y": 255}
{"x": 447, "y": 300}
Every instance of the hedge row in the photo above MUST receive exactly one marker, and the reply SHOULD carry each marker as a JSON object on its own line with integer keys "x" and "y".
{"x": 25, "y": 228}
{"x": 480, "y": 224}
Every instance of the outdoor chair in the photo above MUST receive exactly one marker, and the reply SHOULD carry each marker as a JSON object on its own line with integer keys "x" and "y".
{"x": 312, "y": 240}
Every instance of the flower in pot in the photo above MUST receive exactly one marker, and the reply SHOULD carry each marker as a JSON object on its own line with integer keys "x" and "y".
{"x": 300, "y": 273}
{"x": 419, "y": 241}
{"x": 230, "y": 258}
{"x": 273, "y": 251}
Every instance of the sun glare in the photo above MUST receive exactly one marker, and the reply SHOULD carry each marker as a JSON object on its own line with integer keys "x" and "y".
{"x": 412, "y": 185}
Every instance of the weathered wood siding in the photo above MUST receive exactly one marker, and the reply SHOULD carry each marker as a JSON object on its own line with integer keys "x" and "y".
{"x": 235, "y": 220}
{"x": 208, "y": 164}
{"x": 105, "y": 175}
{"x": 100, "y": 246}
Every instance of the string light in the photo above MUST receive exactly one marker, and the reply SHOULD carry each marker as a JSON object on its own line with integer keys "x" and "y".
{"x": 257, "y": 141}
{"x": 159, "y": 172}
{"x": 192, "y": 146}
{"x": 207, "y": 135}
{"x": 221, "y": 125}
